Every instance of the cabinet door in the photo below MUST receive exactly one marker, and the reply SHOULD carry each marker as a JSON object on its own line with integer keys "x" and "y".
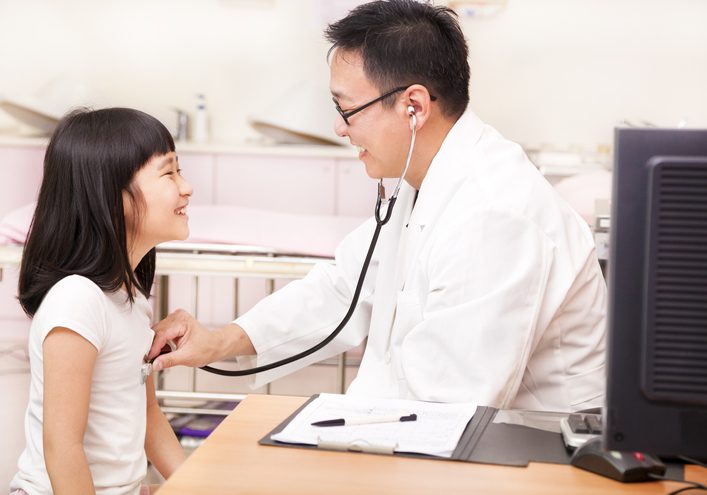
{"x": 287, "y": 184}
{"x": 21, "y": 173}
{"x": 198, "y": 169}
{"x": 356, "y": 190}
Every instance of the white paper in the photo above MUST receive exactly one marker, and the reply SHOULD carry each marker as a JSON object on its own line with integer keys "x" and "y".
{"x": 436, "y": 431}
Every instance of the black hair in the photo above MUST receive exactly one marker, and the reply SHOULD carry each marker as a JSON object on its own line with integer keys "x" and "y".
{"x": 79, "y": 222}
{"x": 404, "y": 42}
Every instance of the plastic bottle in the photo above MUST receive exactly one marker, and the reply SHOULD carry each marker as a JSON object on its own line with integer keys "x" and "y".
{"x": 200, "y": 132}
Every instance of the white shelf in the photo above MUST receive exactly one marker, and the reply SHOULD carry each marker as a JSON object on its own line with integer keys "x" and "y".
{"x": 266, "y": 149}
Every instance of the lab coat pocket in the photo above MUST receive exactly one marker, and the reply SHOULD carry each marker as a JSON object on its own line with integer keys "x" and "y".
{"x": 586, "y": 387}
{"x": 408, "y": 314}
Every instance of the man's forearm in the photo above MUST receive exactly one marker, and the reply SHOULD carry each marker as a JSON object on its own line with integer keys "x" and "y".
{"x": 234, "y": 342}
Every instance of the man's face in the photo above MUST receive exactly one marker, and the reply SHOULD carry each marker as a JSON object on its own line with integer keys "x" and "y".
{"x": 381, "y": 133}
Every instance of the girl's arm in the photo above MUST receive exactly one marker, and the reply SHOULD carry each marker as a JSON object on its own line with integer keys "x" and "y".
{"x": 161, "y": 444}
{"x": 69, "y": 360}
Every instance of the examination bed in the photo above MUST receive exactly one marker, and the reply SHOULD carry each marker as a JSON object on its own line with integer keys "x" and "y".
{"x": 225, "y": 241}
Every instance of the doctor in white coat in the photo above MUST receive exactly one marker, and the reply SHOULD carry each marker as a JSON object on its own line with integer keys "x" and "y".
{"x": 485, "y": 285}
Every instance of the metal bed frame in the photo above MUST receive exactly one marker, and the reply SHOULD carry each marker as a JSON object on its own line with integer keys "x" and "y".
{"x": 203, "y": 259}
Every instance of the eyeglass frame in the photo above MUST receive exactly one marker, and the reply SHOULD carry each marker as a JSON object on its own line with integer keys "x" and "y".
{"x": 345, "y": 115}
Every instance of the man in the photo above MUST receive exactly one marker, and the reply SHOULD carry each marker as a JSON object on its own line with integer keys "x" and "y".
{"x": 484, "y": 287}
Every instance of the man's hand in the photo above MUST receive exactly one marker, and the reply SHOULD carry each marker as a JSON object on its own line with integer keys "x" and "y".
{"x": 196, "y": 345}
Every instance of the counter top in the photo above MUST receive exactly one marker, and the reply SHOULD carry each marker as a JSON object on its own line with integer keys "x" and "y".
{"x": 241, "y": 148}
{"x": 316, "y": 151}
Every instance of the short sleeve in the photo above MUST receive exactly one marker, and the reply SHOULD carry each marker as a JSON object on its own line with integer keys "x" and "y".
{"x": 78, "y": 304}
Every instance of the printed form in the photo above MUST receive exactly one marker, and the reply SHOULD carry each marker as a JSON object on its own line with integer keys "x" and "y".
{"x": 436, "y": 431}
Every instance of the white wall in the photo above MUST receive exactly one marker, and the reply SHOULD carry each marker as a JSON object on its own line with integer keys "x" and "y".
{"x": 561, "y": 73}
{"x": 157, "y": 54}
{"x": 565, "y": 72}
{"x": 543, "y": 71}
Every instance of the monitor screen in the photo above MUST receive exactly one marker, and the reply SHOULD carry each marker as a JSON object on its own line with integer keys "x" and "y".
{"x": 657, "y": 315}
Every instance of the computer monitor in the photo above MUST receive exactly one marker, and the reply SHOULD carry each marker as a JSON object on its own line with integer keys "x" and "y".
{"x": 657, "y": 316}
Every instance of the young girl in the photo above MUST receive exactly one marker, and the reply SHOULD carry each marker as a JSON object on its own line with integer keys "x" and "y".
{"x": 111, "y": 191}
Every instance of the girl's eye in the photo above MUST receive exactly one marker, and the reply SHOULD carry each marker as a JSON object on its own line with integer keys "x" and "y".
{"x": 171, "y": 172}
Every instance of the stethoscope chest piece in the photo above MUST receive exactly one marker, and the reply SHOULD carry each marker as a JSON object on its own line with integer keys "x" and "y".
{"x": 146, "y": 368}
{"x": 145, "y": 372}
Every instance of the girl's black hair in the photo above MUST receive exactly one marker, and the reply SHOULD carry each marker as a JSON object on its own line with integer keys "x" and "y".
{"x": 79, "y": 222}
{"x": 404, "y": 42}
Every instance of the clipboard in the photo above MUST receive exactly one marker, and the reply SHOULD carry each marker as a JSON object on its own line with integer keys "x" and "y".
{"x": 483, "y": 441}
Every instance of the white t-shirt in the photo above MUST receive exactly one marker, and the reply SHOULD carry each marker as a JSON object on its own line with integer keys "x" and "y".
{"x": 115, "y": 432}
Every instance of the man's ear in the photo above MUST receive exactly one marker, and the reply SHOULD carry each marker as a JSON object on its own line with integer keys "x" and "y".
{"x": 418, "y": 97}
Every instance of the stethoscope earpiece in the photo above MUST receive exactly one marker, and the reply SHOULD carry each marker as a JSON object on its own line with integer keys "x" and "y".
{"x": 380, "y": 220}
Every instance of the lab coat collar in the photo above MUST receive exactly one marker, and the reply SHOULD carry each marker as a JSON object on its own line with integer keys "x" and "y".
{"x": 448, "y": 166}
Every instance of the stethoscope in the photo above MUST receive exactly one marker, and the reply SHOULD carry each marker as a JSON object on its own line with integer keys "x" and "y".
{"x": 146, "y": 369}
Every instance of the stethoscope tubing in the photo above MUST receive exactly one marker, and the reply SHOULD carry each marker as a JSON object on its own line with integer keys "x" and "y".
{"x": 380, "y": 221}
{"x": 334, "y": 333}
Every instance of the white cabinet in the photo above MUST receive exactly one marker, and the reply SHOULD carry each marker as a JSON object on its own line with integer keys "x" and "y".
{"x": 198, "y": 169}
{"x": 324, "y": 185}
{"x": 295, "y": 185}
{"x": 355, "y": 191}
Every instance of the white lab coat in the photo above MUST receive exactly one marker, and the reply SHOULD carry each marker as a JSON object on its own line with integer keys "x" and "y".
{"x": 488, "y": 291}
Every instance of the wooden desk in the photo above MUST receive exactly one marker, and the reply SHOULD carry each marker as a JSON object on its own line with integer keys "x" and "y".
{"x": 230, "y": 461}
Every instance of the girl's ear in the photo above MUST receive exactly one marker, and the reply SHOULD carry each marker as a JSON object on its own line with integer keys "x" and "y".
{"x": 127, "y": 208}
{"x": 131, "y": 210}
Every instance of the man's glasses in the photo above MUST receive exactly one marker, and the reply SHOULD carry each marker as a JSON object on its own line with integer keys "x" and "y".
{"x": 347, "y": 114}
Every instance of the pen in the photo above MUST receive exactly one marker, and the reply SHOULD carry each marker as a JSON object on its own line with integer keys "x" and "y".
{"x": 365, "y": 420}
